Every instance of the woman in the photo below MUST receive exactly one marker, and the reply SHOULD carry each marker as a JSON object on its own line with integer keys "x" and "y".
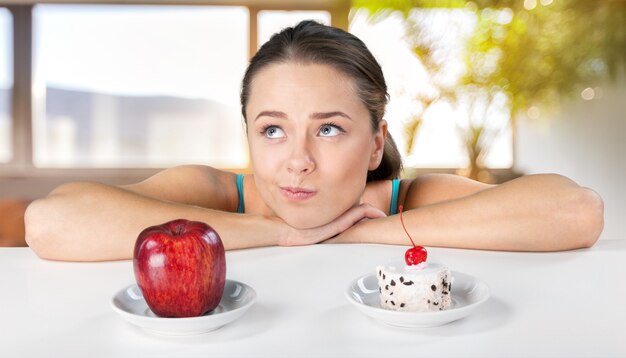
{"x": 313, "y": 100}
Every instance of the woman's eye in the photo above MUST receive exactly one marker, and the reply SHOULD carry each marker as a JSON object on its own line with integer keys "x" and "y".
{"x": 329, "y": 130}
{"x": 274, "y": 132}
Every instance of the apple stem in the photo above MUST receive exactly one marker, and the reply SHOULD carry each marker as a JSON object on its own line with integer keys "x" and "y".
{"x": 404, "y": 227}
{"x": 179, "y": 229}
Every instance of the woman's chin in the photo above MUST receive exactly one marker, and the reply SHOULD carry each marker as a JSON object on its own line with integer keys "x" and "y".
{"x": 305, "y": 222}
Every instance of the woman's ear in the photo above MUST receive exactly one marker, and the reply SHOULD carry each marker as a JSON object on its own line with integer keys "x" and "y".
{"x": 380, "y": 137}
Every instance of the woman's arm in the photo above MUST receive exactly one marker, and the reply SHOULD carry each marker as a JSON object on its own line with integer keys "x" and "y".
{"x": 95, "y": 222}
{"x": 90, "y": 221}
{"x": 532, "y": 213}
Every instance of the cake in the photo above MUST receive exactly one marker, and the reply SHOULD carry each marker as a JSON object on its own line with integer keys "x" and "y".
{"x": 414, "y": 288}
{"x": 418, "y": 286}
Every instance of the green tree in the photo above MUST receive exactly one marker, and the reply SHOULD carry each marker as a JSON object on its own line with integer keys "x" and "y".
{"x": 532, "y": 52}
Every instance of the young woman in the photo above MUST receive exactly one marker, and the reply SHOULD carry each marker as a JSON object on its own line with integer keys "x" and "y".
{"x": 325, "y": 170}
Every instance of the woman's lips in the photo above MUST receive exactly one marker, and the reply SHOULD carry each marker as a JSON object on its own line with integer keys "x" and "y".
{"x": 297, "y": 193}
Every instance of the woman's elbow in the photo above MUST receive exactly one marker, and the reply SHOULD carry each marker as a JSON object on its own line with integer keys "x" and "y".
{"x": 588, "y": 218}
{"x": 39, "y": 228}
{"x": 34, "y": 223}
{"x": 45, "y": 218}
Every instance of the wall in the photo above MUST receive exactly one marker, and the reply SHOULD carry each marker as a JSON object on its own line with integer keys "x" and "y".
{"x": 586, "y": 142}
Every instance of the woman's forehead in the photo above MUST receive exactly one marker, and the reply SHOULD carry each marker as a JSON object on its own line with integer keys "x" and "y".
{"x": 310, "y": 83}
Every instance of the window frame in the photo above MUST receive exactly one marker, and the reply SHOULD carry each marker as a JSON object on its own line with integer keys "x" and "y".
{"x": 21, "y": 164}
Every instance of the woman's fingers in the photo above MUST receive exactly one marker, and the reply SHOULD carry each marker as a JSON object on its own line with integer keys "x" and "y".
{"x": 318, "y": 234}
{"x": 354, "y": 215}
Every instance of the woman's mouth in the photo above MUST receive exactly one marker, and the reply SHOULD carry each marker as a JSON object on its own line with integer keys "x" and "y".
{"x": 297, "y": 193}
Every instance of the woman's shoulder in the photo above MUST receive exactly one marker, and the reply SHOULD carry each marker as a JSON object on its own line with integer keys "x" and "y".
{"x": 202, "y": 176}
{"x": 430, "y": 188}
{"x": 203, "y": 172}
{"x": 199, "y": 185}
{"x": 421, "y": 190}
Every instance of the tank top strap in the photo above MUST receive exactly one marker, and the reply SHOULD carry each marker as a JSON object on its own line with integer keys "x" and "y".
{"x": 241, "y": 207}
{"x": 395, "y": 192}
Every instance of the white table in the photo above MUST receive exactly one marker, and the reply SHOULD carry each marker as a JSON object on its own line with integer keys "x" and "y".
{"x": 542, "y": 304}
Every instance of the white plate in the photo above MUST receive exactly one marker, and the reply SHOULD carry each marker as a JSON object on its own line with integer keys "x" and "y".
{"x": 130, "y": 305}
{"x": 467, "y": 294}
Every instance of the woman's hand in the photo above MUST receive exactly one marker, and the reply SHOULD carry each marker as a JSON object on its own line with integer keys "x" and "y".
{"x": 356, "y": 214}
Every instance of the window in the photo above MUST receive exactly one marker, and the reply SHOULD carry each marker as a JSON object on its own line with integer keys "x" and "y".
{"x": 272, "y": 21}
{"x": 158, "y": 88}
{"x": 438, "y": 143}
{"x": 6, "y": 84}
{"x": 151, "y": 86}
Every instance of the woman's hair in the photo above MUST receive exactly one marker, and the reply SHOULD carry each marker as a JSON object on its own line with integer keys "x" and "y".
{"x": 311, "y": 42}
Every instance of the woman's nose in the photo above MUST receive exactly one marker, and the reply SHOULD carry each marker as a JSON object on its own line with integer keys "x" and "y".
{"x": 301, "y": 160}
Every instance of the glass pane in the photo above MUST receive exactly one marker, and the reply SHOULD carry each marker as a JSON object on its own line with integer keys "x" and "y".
{"x": 138, "y": 86}
{"x": 438, "y": 141}
{"x": 272, "y": 21}
{"x": 6, "y": 84}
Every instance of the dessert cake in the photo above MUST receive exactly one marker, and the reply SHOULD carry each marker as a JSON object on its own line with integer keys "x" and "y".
{"x": 415, "y": 288}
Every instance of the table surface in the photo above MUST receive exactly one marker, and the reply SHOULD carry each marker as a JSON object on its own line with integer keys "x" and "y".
{"x": 542, "y": 304}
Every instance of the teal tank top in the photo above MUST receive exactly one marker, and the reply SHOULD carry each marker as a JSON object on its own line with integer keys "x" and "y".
{"x": 241, "y": 207}
{"x": 393, "y": 208}
{"x": 395, "y": 192}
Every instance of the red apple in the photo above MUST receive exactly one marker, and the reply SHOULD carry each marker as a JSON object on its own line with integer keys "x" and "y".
{"x": 180, "y": 267}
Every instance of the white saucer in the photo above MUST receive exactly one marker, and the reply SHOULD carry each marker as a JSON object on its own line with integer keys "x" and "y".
{"x": 130, "y": 305}
{"x": 467, "y": 294}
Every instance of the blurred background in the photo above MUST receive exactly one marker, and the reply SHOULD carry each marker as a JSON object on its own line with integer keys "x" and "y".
{"x": 111, "y": 92}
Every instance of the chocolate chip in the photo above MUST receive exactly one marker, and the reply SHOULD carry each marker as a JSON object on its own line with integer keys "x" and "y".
{"x": 379, "y": 290}
{"x": 379, "y": 273}
{"x": 391, "y": 294}
{"x": 387, "y": 287}
{"x": 428, "y": 301}
{"x": 393, "y": 283}
{"x": 445, "y": 292}
{"x": 408, "y": 283}
{"x": 402, "y": 305}
{"x": 433, "y": 287}
{"x": 436, "y": 303}
{"x": 383, "y": 276}
{"x": 401, "y": 279}
{"x": 393, "y": 303}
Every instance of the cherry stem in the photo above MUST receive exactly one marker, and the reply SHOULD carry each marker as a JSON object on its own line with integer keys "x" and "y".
{"x": 404, "y": 227}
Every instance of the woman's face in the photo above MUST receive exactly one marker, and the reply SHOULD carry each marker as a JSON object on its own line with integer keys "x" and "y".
{"x": 311, "y": 142}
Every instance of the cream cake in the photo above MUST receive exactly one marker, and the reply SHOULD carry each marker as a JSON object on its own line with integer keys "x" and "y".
{"x": 416, "y": 288}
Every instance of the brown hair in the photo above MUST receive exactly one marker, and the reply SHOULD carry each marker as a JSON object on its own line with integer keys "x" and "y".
{"x": 311, "y": 42}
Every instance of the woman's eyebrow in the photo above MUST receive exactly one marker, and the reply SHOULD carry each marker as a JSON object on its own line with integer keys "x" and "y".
{"x": 326, "y": 115}
{"x": 274, "y": 114}
{"x": 316, "y": 115}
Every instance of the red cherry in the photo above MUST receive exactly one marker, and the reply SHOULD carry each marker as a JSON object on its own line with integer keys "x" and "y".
{"x": 415, "y": 255}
